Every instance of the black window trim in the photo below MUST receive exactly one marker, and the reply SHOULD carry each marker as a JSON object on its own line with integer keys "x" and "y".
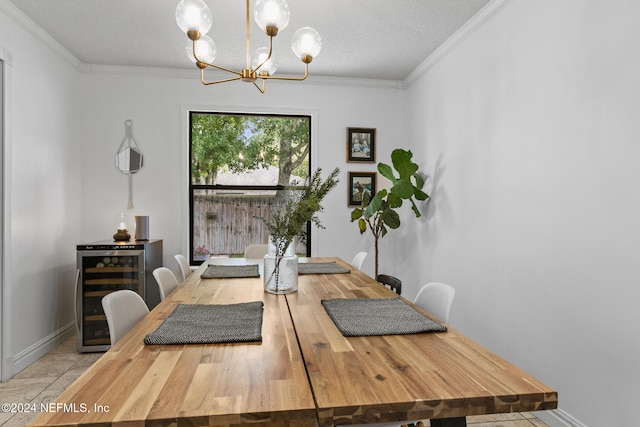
{"x": 195, "y": 187}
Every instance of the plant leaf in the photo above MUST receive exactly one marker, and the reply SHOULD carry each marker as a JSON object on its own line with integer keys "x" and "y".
{"x": 366, "y": 198}
{"x": 391, "y": 218}
{"x": 419, "y": 194}
{"x": 356, "y": 213}
{"x": 402, "y": 188}
{"x": 376, "y": 203}
{"x": 402, "y": 163}
{"x": 419, "y": 180}
{"x": 386, "y": 171}
{"x": 394, "y": 201}
{"x": 399, "y": 156}
{"x": 362, "y": 225}
{"x": 407, "y": 170}
{"x": 383, "y": 230}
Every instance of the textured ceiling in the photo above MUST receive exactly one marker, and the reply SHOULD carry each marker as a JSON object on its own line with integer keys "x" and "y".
{"x": 371, "y": 39}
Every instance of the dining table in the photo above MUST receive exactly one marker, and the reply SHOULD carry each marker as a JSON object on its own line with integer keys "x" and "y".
{"x": 303, "y": 370}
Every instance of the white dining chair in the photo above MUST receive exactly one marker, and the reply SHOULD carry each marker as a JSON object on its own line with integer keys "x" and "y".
{"x": 437, "y": 299}
{"x": 166, "y": 280}
{"x": 123, "y": 309}
{"x": 358, "y": 260}
{"x": 185, "y": 268}
{"x": 256, "y": 251}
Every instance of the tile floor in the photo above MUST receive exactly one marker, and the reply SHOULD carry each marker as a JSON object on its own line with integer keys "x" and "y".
{"x": 45, "y": 379}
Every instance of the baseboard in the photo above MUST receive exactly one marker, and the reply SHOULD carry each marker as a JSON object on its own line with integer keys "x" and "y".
{"x": 558, "y": 418}
{"x": 32, "y": 353}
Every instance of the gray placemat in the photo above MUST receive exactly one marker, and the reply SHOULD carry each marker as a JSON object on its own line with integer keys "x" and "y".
{"x": 360, "y": 317}
{"x": 210, "y": 324}
{"x": 215, "y": 271}
{"x": 321, "y": 268}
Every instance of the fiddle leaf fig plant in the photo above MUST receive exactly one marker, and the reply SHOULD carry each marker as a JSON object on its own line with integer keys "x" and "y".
{"x": 379, "y": 212}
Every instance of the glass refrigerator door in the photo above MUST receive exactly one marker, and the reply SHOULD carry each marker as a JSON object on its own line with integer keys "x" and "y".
{"x": 103, "y": 272}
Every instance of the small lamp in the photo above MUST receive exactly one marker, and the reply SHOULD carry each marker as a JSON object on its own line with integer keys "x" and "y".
{"x": 122, "y": 235}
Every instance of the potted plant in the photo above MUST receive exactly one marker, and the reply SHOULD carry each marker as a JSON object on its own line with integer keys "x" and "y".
{"x": 201, "y": 251}
{"x": 378, "y": 212}
{"x": 284, "y": 224}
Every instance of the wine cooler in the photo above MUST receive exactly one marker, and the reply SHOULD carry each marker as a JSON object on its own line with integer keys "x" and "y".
{"x": 105, "y": 267}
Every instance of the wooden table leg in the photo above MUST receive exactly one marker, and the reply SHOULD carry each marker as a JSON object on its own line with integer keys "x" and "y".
{"x": 449, "y": 422}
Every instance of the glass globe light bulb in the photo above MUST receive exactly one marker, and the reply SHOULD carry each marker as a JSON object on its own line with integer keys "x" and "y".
{"x": 271, "y": 13}
{"x": 193, "y": 15}
{"x": 205, "y": 50}
{"x": 268, "y": 67}
{"x": 306, "y": 41}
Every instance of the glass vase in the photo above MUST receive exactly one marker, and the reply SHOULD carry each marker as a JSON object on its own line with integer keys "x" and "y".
{"x": 280, "y": 269}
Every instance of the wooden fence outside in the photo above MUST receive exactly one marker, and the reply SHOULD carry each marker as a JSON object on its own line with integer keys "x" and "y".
{"x": 226, "y": 223}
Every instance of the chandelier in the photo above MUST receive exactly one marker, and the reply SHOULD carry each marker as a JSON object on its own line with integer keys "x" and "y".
{"x": 194, "y": 18}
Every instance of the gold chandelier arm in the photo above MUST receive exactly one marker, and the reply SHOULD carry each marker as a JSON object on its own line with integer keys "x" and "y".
{"x": 206, "y": 83}
{"x": 264, "y": 86}
{"x": 268, "y": 56}
{"x": 221, "y": 68}
{"x": 202, "y": 64}
{"x": 306, "y": 74}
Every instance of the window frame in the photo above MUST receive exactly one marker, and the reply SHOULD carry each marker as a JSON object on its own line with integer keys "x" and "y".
{"x": 216, "y": 187}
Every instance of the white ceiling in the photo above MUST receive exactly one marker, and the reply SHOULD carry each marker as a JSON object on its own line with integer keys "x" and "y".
{"x": 370, "y": 39}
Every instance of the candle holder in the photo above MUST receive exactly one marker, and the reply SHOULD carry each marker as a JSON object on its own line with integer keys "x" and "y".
{"x": 122, "y": 235}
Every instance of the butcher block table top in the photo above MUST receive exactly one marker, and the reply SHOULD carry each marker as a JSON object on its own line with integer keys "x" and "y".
{"x": 400, "y": 377}
{"x": 256, "y": 383}
{"x": 304, "y": 372}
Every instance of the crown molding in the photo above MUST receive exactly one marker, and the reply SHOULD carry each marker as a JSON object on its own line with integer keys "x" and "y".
{"x": 16, "y": 15}
{"x": 479, "y": 19}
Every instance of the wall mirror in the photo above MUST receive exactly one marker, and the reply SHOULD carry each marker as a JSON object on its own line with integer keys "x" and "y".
{"x": 129, "y": 158}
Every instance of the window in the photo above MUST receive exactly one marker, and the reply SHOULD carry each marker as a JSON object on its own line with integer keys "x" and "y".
{"x": 239, "y": 167}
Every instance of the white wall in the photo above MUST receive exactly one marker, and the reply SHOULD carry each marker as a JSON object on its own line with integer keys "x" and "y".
{"x": 530, "y": 126}
{"x": 42, "y": 196}
{"x": 157, "y": 106}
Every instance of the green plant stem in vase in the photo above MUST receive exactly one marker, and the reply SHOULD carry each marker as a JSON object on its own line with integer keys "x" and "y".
{"x": 280, "y": 268}
{"x": 284, "y": 224}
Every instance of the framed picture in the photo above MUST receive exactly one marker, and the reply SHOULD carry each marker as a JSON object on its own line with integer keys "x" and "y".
{"x": 361, "y": 145}
{"x": 359, "y": 184}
